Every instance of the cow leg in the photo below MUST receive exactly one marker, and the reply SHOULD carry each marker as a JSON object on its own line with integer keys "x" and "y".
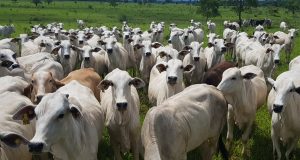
{"x": 208, "y": 148}
{"x": 246, "y": 136}
{"x": 291, "y": 146}
{"x": 135, "y": 141}
{"x": 230, "y": 125}
{"x": 276, "y": 146}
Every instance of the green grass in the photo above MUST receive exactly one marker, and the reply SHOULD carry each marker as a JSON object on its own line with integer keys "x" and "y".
{"x": 24, "y": 14}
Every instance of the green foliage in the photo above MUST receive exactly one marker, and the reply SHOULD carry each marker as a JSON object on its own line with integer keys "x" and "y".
{"x": 113, "y": 3}
{"x": 240, "y": 6}
{"x": 292, "y": 5}
{"x": 48, "y": 1}
{"x": 36, "y": 2}
{"x": 209, "y": 8}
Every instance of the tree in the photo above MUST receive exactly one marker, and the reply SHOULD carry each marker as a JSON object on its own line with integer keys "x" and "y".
{"x": 36, "y": 2}
{"x": 209, "y": 8}
{"x": 292, "y": 5}
{"x": 240, "y": 5}
{"x": 49, "y": 1}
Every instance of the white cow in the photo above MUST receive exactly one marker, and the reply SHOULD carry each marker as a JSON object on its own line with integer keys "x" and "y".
{"x": 261, "y": 57}
{"x": 283, "y": 103}
{"x": 121, "y": 104}
{"x": 283, "y": 26}
{"x": 215, "y": 54}
{"x": 194, "y": 117}
{"x": 69, "y": 125}
{"x": 176, "y": 39}
{"x": 148, "y": 58}
{"x": 9, "y": 64}
{"x": 211, "y": 26}
{"x": 93, "y": 58}
{"x": 117, "y": 56}
{"x": 188, "y": 36}
{"x": 10, "y": 43}
{"x": 287, "y": 39}
{"x": 29, "y": 48}
{"x": 168, "y": 82}
{"x": 195, "y": 57}
{"x": 67, "y": 55}
{"x": 12, "y": 84}
{"x": 295, "y": 63}
{"x": 211, "y": 37}
{"x": 245, "y": 90}
{"x": 80, "y": 23}
{"x": 259, "y": 28}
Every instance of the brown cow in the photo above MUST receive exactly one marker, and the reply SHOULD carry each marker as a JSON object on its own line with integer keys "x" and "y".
{"x": 214, "y": 75}
{"x": 87, "y": 77}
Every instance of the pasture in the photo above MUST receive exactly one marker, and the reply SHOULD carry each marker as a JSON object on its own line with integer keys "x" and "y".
{"x": 23, "y": 14}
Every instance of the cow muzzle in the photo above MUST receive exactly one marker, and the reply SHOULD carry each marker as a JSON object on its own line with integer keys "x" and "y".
{"x": 277, "y": 61}
{"x": 196, "y": 59}
{"x": 169, "y": 41}
{"x": 126, "y": 36}
{"x": 122, "y": 106}
{"x": 67, "y": 56}
{"x": 148, "y": 54}
{"x": 277, "y": 108}
{"x": 35, "y": 147}
{"x": 38, "y": 99}
{"x": 223, "y": 49}
{"x": 80, "y": 42}
{"x": 87, "y": 58}
{"x": 110, "y": 50}
{"x": 172, "y": 80}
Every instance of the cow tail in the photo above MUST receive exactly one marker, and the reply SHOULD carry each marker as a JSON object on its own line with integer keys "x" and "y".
{"x": 222, "y": 149}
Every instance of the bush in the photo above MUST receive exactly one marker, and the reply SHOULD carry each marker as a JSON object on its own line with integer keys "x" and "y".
{"x": 123, "y": 18}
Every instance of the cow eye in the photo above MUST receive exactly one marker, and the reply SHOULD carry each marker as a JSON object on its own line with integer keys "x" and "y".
{"x": 2, "y": 56}
{"x": 181, "y": 67}
{"x": 60, "y": 116}
{"x": 233, "y": 78}
{"x": 50, "y": 81}
{"x": 14, "y": 56}
{"x": 292, "y": 90}
{"x": 274, "y": 88}
{"x": 33, "y": 81}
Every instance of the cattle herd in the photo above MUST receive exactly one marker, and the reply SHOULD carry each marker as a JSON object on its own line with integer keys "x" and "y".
{"x": 61, "y": 88}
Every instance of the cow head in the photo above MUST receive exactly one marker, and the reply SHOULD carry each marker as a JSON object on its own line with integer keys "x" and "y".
{"x": 8, "y": 59}
{"x": 42, "y": 82}
{"x": 174, "y": 70}
{"x": 53, "y": 116}
{"x": 120, "y": 83}
{"x": 175, "y": 35}
{"x": 195, "y": 49}
{"x": 283, "y": 88}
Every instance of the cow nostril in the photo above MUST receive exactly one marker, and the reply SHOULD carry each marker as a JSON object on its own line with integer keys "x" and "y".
{"x": 109, "y": 50}
{"x": 196, "y": 58}
{"x": 80, "y": 42}
{"x": 39, "y": 98}
{"x": 209, "y": 44}
{"x": 223, "y": 49}
{"x": 122, "y": 106}
{"x": 35, "y": 147}
{"x": 67, "y": 56}
{"x": 148, "y": 53}
{"x": 15, "y": 66}
{"x": 127, "y": 36}
{"x": 277, "y": 108}
{"x": 86, "y": 58}
{"x": 172, "y": 80}
{"x": 169, "y": 41}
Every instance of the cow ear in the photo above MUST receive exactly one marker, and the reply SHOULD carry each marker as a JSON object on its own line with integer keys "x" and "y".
{"x": 15, "y": 40}
{"x": 270, "y": 81}
{"x": 229, "y": 44}
{"x": 269, "y": 50}
{"x": 162, "y": 54}
{"x": 75, "y": 111}
{"x": 138, "y": 46}
{"x": 28, "y": 90}
{"x": 12, "y": 139}
{"x": 249, "y": 76}
{"x": 297, "y": 90}
{"x": 161, "y": 67}
{"x": 187, "y": 48}
{"x": 57, "y": 43}
{"x": 101, "y": 42}
{"x": 96, "y": 49}
{"x": 276, "y": 37}
{"x": 58, "y": 84}
{"x": 104, "y": 84}
{"x": 137, "y": 82}
{"x": 75, "y": 48}
{"x": 210, "y": 44}
{"x": 25, "y": 114}
{"x": 183, "y": 52}
{"x": 189, "y": 68}
{"x": 55, "y": 50}
{"x": 129, "y": 40}
{"x": 156, "y": 44}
